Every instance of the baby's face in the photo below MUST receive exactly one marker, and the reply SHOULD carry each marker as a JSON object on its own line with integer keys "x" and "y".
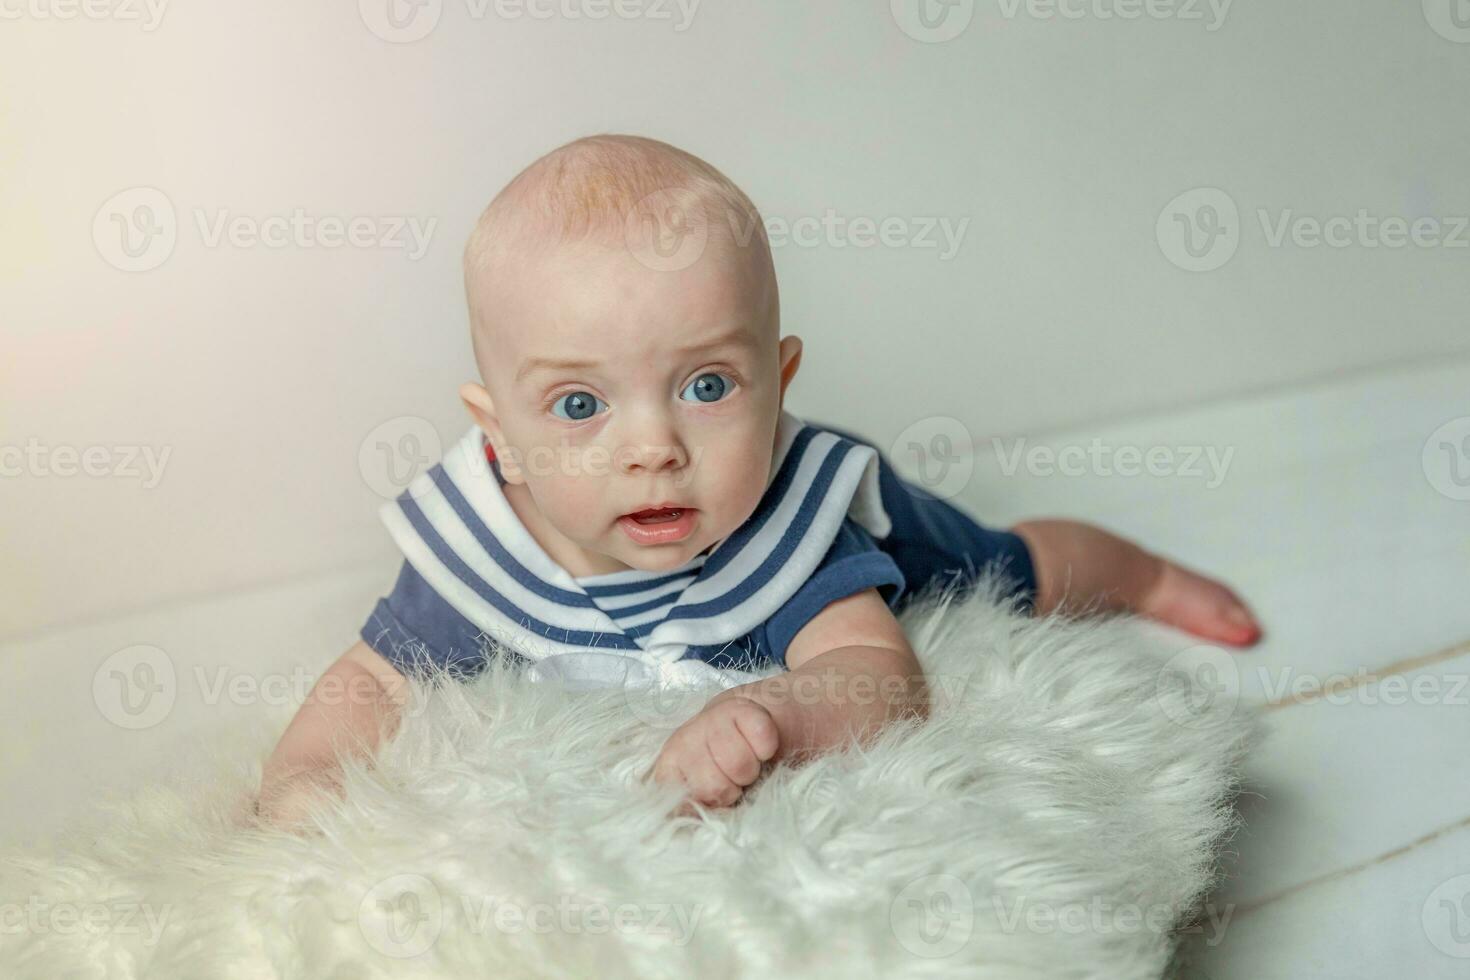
{"x": 618, "y": 388}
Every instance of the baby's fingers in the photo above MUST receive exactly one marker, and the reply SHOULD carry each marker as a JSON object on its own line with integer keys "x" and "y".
{"x": 692, "y": 767}
{"x": 662, "y": 770}
{"x": 731, "y": 751}
{"x": 759, "y": 730}
{"x": 709, "y": 785}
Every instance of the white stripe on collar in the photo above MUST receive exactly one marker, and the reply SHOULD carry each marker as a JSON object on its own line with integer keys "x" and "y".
{"x": 456, "y": 528}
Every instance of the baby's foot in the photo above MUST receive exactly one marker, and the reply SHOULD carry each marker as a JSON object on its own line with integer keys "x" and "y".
{"x": 1200, "y": 606}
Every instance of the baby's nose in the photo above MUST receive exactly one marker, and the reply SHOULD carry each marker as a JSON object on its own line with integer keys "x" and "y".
{"x": 653, "y": 457}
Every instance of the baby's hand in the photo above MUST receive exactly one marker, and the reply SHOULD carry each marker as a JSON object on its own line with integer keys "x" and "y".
{"x": 719, "y": 751}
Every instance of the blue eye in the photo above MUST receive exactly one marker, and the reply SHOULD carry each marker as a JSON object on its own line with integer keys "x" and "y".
{"x": 707, "y": 388}
{"x": 577, "y": 406}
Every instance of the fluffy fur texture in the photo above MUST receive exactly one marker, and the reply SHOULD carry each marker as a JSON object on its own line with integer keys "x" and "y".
{"x": 1051, "y": 820}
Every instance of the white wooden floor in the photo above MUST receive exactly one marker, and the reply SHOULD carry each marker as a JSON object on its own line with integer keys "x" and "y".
{"x": 1337, "y": 517}
{"x": 1352, "y": 544}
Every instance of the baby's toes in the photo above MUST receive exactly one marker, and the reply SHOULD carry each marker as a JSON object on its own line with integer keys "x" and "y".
{"x": 1201, "y": 606}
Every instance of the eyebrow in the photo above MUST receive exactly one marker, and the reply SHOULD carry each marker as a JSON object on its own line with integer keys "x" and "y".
{"x": 533, "y": 364}
{"x": 739, "y": 337}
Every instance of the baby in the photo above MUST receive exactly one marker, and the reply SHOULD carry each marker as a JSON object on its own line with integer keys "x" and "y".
{"x": 634, "y": 499}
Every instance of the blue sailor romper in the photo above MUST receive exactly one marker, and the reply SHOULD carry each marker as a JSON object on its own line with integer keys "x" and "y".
{"x": 835, "y": 519}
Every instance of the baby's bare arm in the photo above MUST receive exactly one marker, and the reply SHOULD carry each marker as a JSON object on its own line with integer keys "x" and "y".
{"x": 845, "y": 694}
{"x": 851, "y": 673}
{"x": 347, "y": 708}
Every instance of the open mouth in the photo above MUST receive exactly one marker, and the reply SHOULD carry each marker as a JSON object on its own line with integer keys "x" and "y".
{"x": 659, "y": 525}
{"x": 660, "y": 515}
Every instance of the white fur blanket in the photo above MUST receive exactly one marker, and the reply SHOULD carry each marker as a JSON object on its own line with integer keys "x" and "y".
{"x": 1057, "y": 817}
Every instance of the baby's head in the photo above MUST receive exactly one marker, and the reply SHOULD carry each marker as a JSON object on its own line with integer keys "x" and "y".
{"x": 626, "y": 326}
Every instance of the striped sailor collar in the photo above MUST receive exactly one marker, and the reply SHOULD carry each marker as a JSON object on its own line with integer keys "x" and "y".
{"x": 456, "y": 527}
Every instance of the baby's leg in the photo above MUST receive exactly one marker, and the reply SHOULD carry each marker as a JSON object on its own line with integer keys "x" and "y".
{"x": 1071, "y": 566}
{"x": 1081, "y": 568}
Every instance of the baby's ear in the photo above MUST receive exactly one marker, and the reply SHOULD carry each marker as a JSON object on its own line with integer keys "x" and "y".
{"x": 481, "y": 406}
{"x": 790, "y": 360}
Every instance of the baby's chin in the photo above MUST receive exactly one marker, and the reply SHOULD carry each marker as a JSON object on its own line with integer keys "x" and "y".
{"x": 659, "y": 558}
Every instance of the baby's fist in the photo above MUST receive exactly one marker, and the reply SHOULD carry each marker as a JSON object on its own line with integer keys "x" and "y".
{"x": 719, "y": 751}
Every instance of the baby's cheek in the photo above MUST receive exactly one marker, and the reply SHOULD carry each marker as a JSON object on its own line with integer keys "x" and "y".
{"x": 738, "y": 490}
{"x": 575, "y": 504}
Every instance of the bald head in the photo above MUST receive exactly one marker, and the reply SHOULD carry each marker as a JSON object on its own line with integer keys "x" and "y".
{"x": 610, "y": 191}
